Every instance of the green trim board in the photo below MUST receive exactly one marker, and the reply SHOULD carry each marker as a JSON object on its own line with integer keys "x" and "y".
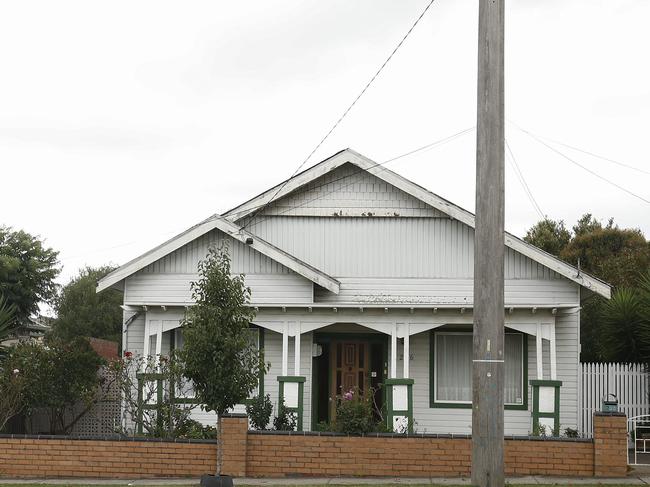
{"x": 390, "y": 412}
{"x": 555, "y": 415}
{"x": 468, "y": 405}
{"x": 300, "y": 380}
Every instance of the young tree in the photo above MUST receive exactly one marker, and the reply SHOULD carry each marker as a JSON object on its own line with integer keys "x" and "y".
{"x": 83, "y": 312}
{"x": 219, "y": 356}
{"x": 27, "y": 271}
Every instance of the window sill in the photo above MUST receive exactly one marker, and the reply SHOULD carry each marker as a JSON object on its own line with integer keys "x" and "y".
{"x": 456, "y": 405}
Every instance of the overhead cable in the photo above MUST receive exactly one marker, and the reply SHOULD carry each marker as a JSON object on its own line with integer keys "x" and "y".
{"x": 583, "y": 167}
{"x": 522, "y": 180}
{"x": 438, "y": 142}
{"x": 347, "y": 110}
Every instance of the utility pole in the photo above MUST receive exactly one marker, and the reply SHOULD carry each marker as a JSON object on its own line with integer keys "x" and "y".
{"x": 488, "y": 365}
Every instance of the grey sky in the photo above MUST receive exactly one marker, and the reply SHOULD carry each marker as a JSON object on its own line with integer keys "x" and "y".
{"x": 124, "y": 123}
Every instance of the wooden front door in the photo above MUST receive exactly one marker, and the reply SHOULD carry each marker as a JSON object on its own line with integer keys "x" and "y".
{"x": 350, "y": 364}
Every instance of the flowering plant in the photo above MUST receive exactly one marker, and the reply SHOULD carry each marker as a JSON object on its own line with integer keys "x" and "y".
{"x": 356, "y": 413}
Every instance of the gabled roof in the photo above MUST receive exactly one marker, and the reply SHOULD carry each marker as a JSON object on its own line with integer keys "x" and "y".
{"x": 236, "y": 232}
{"x": 454, "y": 211}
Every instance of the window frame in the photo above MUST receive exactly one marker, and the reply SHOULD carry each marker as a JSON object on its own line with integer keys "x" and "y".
{"x": 434, "y": 403}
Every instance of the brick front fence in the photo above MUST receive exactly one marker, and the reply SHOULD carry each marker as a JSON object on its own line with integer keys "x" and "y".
{"x": 273, "y": 454}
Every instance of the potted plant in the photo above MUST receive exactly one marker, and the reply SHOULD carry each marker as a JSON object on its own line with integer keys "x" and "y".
{"x": 219, "y": 357}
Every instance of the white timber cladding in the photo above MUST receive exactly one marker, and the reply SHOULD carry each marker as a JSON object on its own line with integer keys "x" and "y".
{"x": 350, "y": 191}
{"x": 453, "y": 211}
{"x": 387, "y": 247}
{"x": 439, "y": 419}
{"x": 518, "y": 292}
{"x": 174, "y": 289}
{"x": 237, "y": 233}
{"x": 167, "y": 281}
{"x": 370, "y": 240}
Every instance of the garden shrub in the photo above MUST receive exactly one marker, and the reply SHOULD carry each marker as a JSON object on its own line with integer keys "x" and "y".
{"x": 355, "y": 414}
{"x": 259, "y": 411}
{"x": 285, "y": 420}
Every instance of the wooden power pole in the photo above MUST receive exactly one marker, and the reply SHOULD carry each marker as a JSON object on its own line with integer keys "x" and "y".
{"x": 488, "y": 365}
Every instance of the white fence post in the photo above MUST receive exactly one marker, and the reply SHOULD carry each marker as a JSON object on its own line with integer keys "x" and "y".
{"x": 629, "y": 382}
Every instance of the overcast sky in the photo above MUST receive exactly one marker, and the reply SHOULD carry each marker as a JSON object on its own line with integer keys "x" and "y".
{"x": 124, "y": 123}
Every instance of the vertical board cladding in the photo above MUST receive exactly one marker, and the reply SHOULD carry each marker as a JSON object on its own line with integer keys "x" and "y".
{"x": 243, "y": 258}
{"x": 344, "y": 190}
{"x": 517, "y": 422}
{"x": 273, "y": 356}
{"x": 388, "y": 247}
{"x": 568, "y": 366}
{"x": 135, "y": 333}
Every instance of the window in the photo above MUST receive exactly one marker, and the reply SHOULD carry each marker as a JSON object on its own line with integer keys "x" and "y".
{"x": 451, "y": 373}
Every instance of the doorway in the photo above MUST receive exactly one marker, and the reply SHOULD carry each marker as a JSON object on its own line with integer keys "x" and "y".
{"x": 347, "y": 361}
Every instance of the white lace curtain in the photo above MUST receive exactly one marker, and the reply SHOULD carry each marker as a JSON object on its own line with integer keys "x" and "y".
{"x": 453, "y": 367}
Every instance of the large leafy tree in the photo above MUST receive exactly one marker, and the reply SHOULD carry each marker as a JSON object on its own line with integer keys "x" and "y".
{"x": 549, "y": 235}
{"x": 615, "y": 255}
{"x": 27, "y": 271}
{"x": 81, "y": 311}
{"x": 219, "y": 356}
{"x": 611, "y": 253}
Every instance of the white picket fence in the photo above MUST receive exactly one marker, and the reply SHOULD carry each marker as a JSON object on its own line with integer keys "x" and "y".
{"x": 628, "y": 382}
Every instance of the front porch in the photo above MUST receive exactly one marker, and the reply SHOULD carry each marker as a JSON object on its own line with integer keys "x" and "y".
{"x": 319, "y": 353}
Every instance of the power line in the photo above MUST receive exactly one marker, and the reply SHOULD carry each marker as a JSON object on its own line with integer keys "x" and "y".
{"x": 622, "y": 164}
{"x": 438, "y": 142}
{"x": 354, "y": 102}
{"x": 572, "y": 161}
{"x": 522, "y": 180}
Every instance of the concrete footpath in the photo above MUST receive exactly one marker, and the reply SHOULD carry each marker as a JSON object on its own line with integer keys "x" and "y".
{"x": 635, "y": 478}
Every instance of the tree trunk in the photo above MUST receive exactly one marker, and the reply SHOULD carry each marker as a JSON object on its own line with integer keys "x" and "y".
{"x": 219, "y": 446}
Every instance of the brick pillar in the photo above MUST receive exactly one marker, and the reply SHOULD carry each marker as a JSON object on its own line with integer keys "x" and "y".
{"x": 234, "y": 437}
{"x": 610, "y": 444}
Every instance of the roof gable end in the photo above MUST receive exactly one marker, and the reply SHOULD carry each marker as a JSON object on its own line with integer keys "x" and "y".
{"x": 234, "y": 231}
{"x": 277, "y": 192}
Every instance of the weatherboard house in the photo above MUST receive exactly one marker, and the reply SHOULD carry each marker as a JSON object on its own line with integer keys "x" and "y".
{"x": 362, "y": 279}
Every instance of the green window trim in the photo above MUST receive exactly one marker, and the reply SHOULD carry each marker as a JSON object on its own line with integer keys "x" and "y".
{"x": 468, "y": 405}
{"x": 555, "y": 415}
{"x": 300, "y": 410}
{"x": 390, "y": 412}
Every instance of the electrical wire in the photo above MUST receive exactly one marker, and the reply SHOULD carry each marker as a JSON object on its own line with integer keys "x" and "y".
{"x": 618, "y": 163}
{"x": 354, "y": 102}
{"x": 431, "y": 145}
{"x": 522, "y": 180}
{"x": 572, "y": 161}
